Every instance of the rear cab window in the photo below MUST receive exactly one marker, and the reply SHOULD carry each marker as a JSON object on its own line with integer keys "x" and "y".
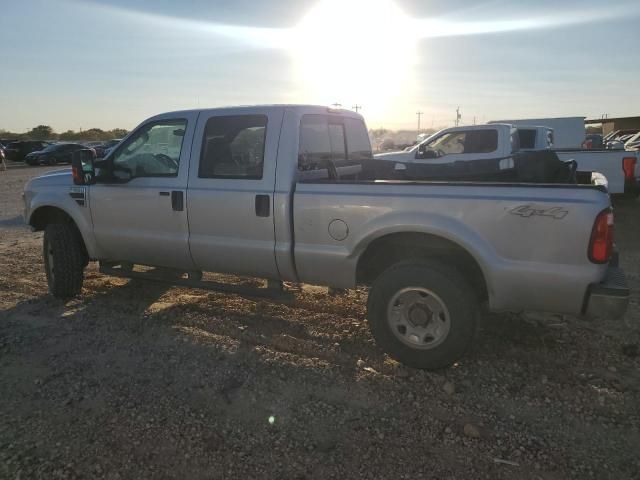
{"x": 332, "y": 146}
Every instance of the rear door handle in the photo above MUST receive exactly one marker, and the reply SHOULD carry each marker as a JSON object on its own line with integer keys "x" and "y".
{"x": 263, "y": 205}
{"x": 177, "y": 200}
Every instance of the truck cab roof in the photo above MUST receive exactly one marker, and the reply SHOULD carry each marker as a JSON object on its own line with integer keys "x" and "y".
{"x": 301, "y": 109}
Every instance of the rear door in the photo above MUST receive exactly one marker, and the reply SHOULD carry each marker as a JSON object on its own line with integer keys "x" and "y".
{"x": 231, "y": 187}
{"x": 139, "y": 211}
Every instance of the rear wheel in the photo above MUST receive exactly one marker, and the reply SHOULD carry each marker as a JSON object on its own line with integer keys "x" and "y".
{"x": 423, "y": 314}
{"x": 64, "y": 260}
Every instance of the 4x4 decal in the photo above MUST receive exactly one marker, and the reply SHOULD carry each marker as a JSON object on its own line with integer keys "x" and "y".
{"x": 526, "y": 211}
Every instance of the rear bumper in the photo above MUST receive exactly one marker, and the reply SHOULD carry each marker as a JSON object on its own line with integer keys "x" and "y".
{"x": 609, "y": 298}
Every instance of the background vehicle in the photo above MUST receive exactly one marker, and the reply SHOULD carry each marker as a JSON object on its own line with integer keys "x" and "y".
{"x": 568, "y": 132}
{"x": 17, "y": 151}
{"x": 54, "y": 154}
{"x": 107, "y": 147}
{"x": 616, "y": 140}
{"x": 6, "y": 141}
{"x": 292, "y": 193}
{"x": 97, "y": 147}
{"x": 593, "y": 141}
{"x": 633, "y": 143}
{"x": 500, "y": 141}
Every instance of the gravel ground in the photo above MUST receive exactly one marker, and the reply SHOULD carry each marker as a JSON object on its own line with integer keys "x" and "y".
{"x": 138, "y": 380}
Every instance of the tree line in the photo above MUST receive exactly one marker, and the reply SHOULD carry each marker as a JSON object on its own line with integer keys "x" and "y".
{"x": 45, "y": 132}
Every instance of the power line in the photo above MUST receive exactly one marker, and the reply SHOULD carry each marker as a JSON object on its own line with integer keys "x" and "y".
{"x": 419, "y": 114}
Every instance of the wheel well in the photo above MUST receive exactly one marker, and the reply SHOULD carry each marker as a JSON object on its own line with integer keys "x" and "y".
{"x": 44, "y": 216}
{"x": 390, "y": 249}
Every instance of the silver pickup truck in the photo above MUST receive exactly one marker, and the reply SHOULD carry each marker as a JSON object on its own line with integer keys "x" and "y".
{"x": 287, "y": 193}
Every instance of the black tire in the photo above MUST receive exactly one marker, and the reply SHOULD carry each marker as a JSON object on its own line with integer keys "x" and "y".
{"x": 64, "y": 260}
{"x": 52, "y": 161}
{"x": 454, "y": 293}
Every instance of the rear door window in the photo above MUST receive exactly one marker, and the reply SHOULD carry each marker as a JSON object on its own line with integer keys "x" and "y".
{"x": 233, "y": 147}
{"x": 338, "y": 142}
{"x": 481, "y": 141}
{"x": 358, "y": 143}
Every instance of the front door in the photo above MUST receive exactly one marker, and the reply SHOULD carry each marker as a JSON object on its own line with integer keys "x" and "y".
{"x": 230, "y": 195}
{"x": 139, "y": 205}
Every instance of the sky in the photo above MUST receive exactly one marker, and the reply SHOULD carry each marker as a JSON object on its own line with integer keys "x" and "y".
{"x": 75, "y": 64}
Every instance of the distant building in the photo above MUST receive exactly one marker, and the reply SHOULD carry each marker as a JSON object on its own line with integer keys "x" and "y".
{"x": 613, "y": 124}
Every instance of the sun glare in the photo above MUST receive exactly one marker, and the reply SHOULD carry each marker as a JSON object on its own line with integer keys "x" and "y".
{"x": 354, "y": 51}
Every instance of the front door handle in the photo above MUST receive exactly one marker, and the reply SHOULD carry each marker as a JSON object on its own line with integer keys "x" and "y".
{"x": 177, "y": 200}
{"x": 263, "y": 205}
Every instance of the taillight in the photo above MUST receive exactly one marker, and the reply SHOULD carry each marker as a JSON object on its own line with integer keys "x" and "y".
{"x": 601, "y": 243}
{"x": 628, "y": 167}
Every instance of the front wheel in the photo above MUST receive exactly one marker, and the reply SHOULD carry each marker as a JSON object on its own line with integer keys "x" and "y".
{"x": 423, "y": 314}
{"x": 64, "y": 260}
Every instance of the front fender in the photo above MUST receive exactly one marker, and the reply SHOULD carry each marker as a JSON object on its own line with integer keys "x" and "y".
{"x": 77, "y": 208}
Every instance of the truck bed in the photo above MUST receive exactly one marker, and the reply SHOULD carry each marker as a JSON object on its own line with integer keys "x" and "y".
{"x": 531, "y": 240}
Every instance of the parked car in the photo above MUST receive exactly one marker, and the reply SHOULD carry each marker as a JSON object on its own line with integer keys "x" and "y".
{"x": 17, "y": 151}
{"x": 633, "y": 143}
{"x": 615, "y": 140}
{"x": 107, "y": 147}
{"x": 6, "y": 141}
{"x": 54, "y": 154}
{"x": 3, "y": 164}
{"x": 291, "y": 193}
{"x": 484, "y": 142}
{"x": 593, "y": 141}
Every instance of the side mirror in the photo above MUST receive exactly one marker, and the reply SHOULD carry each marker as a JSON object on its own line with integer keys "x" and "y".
{"x": 82, "y": 166}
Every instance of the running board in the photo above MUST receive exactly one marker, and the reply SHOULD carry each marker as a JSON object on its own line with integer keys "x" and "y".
{"x": 260, "y": 292}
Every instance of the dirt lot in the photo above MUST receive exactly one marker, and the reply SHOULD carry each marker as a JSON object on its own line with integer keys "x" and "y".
{"x": 136, "y": 380}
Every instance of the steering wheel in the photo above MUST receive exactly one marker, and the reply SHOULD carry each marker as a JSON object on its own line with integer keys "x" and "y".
{"x": 167, "y": 160}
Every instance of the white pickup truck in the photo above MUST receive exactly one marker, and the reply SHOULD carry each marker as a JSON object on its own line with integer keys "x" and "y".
{"x": 291, "y": 193}
{"x": 500, "y": 141}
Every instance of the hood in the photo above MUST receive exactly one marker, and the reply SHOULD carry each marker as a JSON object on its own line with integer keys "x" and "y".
{"x": 396, "y": 156}
{"x": 54, "y": 178}
{"x": 35, "y": 154}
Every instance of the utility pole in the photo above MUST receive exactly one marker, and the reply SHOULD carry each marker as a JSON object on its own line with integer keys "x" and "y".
{"x": 357, "y": 107}
{"x": 458, "y": 116}
{"x": 336, "y": 105}
{"x": 474, "y": 119}
{"x": 419, "y": 114}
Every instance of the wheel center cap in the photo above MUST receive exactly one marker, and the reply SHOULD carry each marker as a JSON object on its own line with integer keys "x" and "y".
{"x": 420, "y": 316}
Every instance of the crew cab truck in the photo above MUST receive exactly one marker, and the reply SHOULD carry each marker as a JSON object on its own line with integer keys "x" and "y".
{"x": 285, "y": 193}
{"x": 500, "y": 141}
